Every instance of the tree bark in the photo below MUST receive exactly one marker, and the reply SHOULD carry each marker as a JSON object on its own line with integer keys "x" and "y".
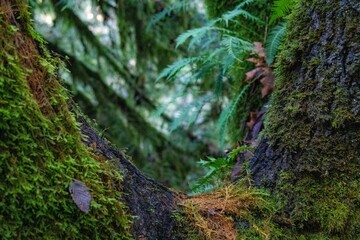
{"x": 151, "y": 203}
{"x": 312, "y": 146}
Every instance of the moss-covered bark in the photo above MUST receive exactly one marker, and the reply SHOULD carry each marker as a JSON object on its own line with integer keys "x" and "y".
{"x": 44, "y": 146}
{"x": 41, "y": 149}
{"x": 314, "y": 121}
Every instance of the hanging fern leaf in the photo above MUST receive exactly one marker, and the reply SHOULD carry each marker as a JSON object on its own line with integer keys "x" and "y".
{"x": 238, "y": 12}
{"x": 219, "y": 84}
{"x": 195, "y": 33}
{"x": 190, "y": 112}
{"x": 236, "y": 46}
{"x": 229, "y": 111}
{"x": 273, "y": 42}
{"x": 198, "y": 33}
{"x": 245, "y": 3}
{"x": 170, "y": 71}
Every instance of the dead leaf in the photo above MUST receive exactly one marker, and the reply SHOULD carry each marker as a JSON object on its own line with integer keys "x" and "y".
{"x": 254, "y": 60}
{"x": 252, "y": 120}
{"x": 260, "y": 49}
{"x": 267, "y": 83}
{"x": 252, "y": 74}
{"x": 80, "y": 194}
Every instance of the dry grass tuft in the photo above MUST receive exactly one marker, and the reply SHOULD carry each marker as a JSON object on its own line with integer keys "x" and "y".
{"x": 213, "y": 213}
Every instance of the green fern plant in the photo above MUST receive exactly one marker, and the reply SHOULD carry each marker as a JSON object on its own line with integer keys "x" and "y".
{"x": 218, "y": 50}
{"x": 217, "y": 170}
{"x": 280, "y": 9}
{"x": 273, "y": 41}
{"x": 229, "y": 111}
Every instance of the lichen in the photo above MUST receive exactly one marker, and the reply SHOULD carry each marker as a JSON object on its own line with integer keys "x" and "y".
{"x": 41, "y": 148}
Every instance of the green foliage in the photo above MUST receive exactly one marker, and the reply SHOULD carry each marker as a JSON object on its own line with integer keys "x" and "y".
{"x": 281, "y": 9}
{"x": 230, "y": 51}
{"x": 273, "y": 42}
{"x": 218, "y": 170}
{"x": 216, "y": 8}
{"x": 41, "y": 153}
{"x": 170, "y": 71}
{"x": 173, "y": 8}
{"x": 229, "y": 111}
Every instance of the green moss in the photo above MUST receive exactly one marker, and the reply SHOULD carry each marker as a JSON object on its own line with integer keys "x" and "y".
{"x": 41, "y": 152}
{"x": 329, "y": 205}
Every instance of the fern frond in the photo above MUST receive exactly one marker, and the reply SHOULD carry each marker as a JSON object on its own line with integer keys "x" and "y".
{"x": 273, "y": 42}
{"x": 229, "y": 111}
{"x": 194, "y": 33}
{"x": 190, "y": 112}
{"x": 182, "y": 5}
{"x": 204, "y": 41}
{"x": 236, "y": 46}
{"x": 218, "y": 87}
{"x": 170, "y": 71}
{"x": 245, "y": 3}
{"x": 238, "y": 12}
{"x": 280, "y": 9}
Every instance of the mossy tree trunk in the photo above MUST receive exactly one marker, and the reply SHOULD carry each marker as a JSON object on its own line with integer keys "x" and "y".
{"x": 311, "y": 155}
{"x": 44, "y": 146}
{"x": 312, "y": 152}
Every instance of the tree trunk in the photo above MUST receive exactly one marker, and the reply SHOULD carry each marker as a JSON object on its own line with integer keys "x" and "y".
{"x": 310, "y": 156}
{"x": 312, "y": 151}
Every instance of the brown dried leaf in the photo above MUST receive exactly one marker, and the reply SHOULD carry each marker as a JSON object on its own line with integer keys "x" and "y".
{"x": 252, "y": 74}
{"x": 252, "y": 120}
{"x": 260, "y": 49}
{"x": 267, "y": 83}
{"x": 253, "y": 60}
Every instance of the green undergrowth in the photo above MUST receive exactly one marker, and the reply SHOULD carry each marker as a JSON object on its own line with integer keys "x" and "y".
{"x": 41, "y": 152}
